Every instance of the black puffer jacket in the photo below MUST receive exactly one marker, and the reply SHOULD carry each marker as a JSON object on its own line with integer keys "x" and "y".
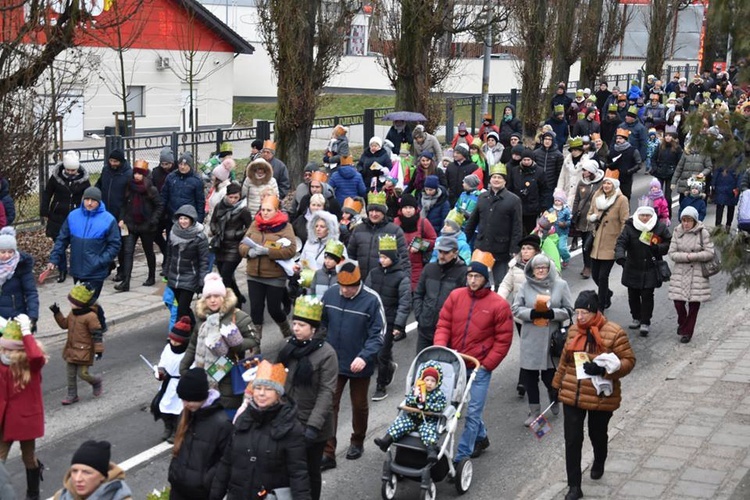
{"x": 230, "y": 223}
{"x": 530, "y": 184}
{"x": 113, "y": 183}
{"x": 61, "y": 196}
{"x": 454, "y": 175}
{"x": 267, "y": 452}
{"x": 435, "y": 284}
{"x": 193, "y": 469}
{"x": 393, "y": 285}
{"x": 639, "y": 267}
{"x": 498, "y": 216}
{"x": 551, "y": 162}
{"x": 382, "y": 157}
{"x": 666, "y": 160}
{"x": 187, "y": 261}
{"x": 150, "y": 205}
{"x": 363, "y": 244}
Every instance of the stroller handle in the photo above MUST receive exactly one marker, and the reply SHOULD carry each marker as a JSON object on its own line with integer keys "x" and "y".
{"x": 470, "y": 359}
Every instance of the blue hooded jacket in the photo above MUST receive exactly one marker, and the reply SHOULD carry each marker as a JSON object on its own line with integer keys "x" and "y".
{"x": 94, "y": 240}
{"x": 347, "y": 182}
{"x": 19, "y": 294}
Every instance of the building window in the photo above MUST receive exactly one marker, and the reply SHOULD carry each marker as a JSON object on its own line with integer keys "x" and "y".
{"x": 135, "y": 99}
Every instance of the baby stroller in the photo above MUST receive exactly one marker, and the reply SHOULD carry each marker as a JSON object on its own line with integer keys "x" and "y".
{"x": 407, "y": 457}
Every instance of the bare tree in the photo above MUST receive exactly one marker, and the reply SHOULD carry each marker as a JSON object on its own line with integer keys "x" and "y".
{"x": 529, "y": 18}
{"x": 567, "y": 39}
{"x": 659, "y": 25}
{"x": 418, "y": 53}
{"x": 605, "y": 23}
{"x": 305, "y": 41}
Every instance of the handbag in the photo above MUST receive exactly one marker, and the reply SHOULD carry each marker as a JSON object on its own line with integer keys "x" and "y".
{"x": 557, "y": 342}
{"x": 663, "y": 272}
{"x": 239, "y": 381}
{"x": 712, "y": 267}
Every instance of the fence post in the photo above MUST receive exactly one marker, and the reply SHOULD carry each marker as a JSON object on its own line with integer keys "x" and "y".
{"x": 494, "y": 102}
{"x": 473, "y": 113}
{"x": 449, "y": 119}
{"x": 112, "y": 142}
{"x": 687, "y": 72}
{"x": 219, "y": 139}
{"x": 263, "y": 130}
{"x": 368, "y": 125}
{"x": 514, "y": 98}
{"x": 175, "y": 146}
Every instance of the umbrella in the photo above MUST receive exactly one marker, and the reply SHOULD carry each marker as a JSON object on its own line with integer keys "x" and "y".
{"x": 407, "y": 116}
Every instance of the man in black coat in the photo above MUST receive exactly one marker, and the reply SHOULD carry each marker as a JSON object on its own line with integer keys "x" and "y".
{"x": 437, "y": 281}
{"x": 497, "y": 217}
{"x": 561, "y": 97}
{"x": 399, "y": 134}
{"x": 550, "y": 160}
{"x": 115, "y": 177}
{"x": 529, "y": 183}
{"x": 457, "y": 170}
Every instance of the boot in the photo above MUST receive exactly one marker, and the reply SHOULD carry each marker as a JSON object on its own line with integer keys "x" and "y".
{"x": 286, "y": 330}
{"x": 33, "y": 477}
{"x": 258, "y": 331}
{"x": 123, "y": 286}
{"x": 151, "y": 279}
{"x": 72, "y": 396}
{"x": 168, "y": 426}
{"x": 586, "y": 273}
{"x": 97, "y": 387}
{"x": 384, "y": 443}
{"x": 553, "y": 399}
{"x": 534, "y": 412}
{"x": 61, "y": 277}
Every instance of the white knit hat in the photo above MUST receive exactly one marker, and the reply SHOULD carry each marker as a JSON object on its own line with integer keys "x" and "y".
{"x": 71, "y": 160}
{"x": 8, "y": 238}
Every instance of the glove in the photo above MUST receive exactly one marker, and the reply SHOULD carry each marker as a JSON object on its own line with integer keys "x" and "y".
{"x": 98, "y": 356}
{"x": 620, "y": 262}
{"x": 252, "y": 253}
{"x": 261, "y": 251}
{"x": 593, "y": 217}
{"x": 311, "y": 433}
{"x": 25, "y": 323}
{"x": 542, "y": 314}
{"x": 592, "y": 368}
{"x": 54, "y": 308}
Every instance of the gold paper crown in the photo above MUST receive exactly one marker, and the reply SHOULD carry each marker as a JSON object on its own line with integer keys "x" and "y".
{"x": 633, "y": 110}
{"x": 353, "y": 204}
{"x": 456, "y": 216}
{"x": 623, "y": 132}
{"x": 485, "y": 258}
{"x": 306, "y": 278}
{"x": 387, "y": 242}
{"x": 225, "y": 147}
{"x": 319, "y": 176}
{"x": 269, "y": 144}
{"x": 559, "y": 108}
{"x": 575, "y": 142}
{"x": 376, "y": 198}
{"x": 498, "y": 168}
{"x": 308, "y": 307}
{"x": 12, "y": 331}
{"x": 271, "y": 375}
{"x": 612, "y": 108}
{"x": 141, "y": 164}
{"x": 335, "y": 247}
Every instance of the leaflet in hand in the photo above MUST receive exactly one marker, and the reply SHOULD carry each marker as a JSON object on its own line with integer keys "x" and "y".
{"x": 580, "y": 358}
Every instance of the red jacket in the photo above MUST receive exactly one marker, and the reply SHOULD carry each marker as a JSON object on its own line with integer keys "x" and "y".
{"x": 479, "y": 324}
{"x": 23, "y": 411}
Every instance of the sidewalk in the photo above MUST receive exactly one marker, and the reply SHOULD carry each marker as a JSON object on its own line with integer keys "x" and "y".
{"x": 690, "y": 436}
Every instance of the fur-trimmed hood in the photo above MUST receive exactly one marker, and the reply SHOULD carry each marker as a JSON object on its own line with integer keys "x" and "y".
{"x": 229, "y": 305}
{"x": 330, "y": 220}
{"x": 259, "y": 164}
{"x": 80, "y": 177}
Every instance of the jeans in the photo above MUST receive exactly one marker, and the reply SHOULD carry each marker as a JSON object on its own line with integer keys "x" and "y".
{"x": 358, "y": 388}
{"x": 687, "y": 315}
{"x": 600, "y": 270}
{"x": 147, "y": 242}
{"x": 641, "y": 304}
{"x": 474, "y": 428}
{"x": 425, "y": 337}
{"x": 499, "y": 270}
{"x": 530, "y": 380}
{"x": 598, "y": 423}
{"x": 385, "y": 358}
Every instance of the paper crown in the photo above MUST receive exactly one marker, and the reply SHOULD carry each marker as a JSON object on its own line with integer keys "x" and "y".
{"x": 645, "y": 201}
{"x": 319, "y": 176}
{"x": 456, "y": 216}
{"x": 306, "y": 277}
{"x": 579, "y": 93}
{"x": 272, "y": 199}
{"x": 559, "y": 108}
{"x": 405, "y": 147}
{"x": 575, "y": 142}
{"x": 387, "y": 242}
{"x": 334, "y": 247}
{"x": 376, "y": 198}
{"x": 623, "y": 132}
{"x": 308, "y": 308}
{"x": 349, "y": 274}
{"x": 81, "y": 295}
{"x": 12, "y": 333}
{"x": 612, "y": 108}
{"x": 485, "y": 258}
{"x": 269, "y": 144}
{"x": 595, "y": 136}
{"x": 271, "y": 375}
{"x": 353, "y": 204}
{"x": 225, "y": 147}
{"x": 633, "y": 110}
{"x": 498, "y": 168}
{"x": 581, "y": 115}
{"x": 346, "y": 160}
{"x": 140, "y": 165}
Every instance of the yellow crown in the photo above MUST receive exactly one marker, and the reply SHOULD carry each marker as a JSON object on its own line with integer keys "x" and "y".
{"x": 575, "y": 142}
{"x": 387, "y": 242}
{"x": 12, "y": 331}
{"x": 306, "y": 278}
{"x": 376, "y": 198}
{"x": 498, "y": 168}
{"x": 309, "y": 308}
{"x": 456, "y": 216}
{"x": 334, "y": 247}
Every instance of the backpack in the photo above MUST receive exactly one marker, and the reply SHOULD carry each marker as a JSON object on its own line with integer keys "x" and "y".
{"x": 743, "y": 211}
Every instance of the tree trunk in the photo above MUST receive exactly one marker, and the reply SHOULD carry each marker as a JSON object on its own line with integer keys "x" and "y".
{"x": 659, "y": 18}
{"x": 565, "y": 27}
{"x": 533, "y": 68}
{"x": 590, "y": 56}
{"x": 412, "y": 60}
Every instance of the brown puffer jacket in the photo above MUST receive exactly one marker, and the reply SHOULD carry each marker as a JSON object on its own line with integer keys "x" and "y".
{"x": 581, "y": 393}
{"x": 84, "y": 336}
{"x": 265, "y": 266}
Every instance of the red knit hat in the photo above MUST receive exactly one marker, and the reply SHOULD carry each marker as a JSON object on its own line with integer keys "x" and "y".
{"x": 181, "y": 330}
{"x": 431, "y": 371}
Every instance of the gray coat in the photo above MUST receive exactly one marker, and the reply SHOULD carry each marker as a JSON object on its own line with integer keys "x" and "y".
{"x": 535, "y": 339}
{"x": 690, "y": 164}
{"x": 687, "y": 282}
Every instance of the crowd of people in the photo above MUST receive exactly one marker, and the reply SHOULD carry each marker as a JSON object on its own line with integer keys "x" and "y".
{"x": 475, "y": 240}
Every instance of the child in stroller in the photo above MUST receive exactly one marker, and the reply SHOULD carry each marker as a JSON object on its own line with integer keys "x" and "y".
{"x": 427, "y": 396}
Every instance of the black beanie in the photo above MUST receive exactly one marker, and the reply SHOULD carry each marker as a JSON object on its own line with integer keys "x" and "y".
{"x": 193, "y": 385}
{"x": 118, "y": 154}
{"x": 408, "y": 200}
{"x": 517, "y": 150}
{"x": 587, "y": 300}
{"x": 95, "y": 454}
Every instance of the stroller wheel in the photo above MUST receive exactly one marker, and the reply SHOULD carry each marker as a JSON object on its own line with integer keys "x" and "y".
{"x": 464, "y": 475}
{"x": 428, "y": 494}
{"x": 388, "y": 490}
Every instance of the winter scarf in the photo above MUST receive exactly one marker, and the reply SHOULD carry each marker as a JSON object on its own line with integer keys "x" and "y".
{"x": 655, "y": 195}
{"x": 603, "y": 202}
{"x": 273, "y": 225}
{"x": 300, "y": 350}
{"x": 429, "y": 201}
{"x": 621, "y": 147}
{"x": 648, "y": 226}
{"x": 8, "y": 267}
{"x": 409, "y": 224}
{"x": 136, "y": 202}
{"x": 184, "y": 236}
{"x": 592, "y": 326}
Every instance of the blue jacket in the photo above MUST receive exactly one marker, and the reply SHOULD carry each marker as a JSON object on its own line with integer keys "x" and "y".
{"x": 355, "y": 328}
{"x": 94, "y": 240}
{"x": 638, "y": 136}
{"x": 112, "y": 184}
{"x": 184, "y": 189}
{"x": 10, "y": 206}
{"x": 347, "y": 182}
{"x": 464, "y": 250}
{"x": 19, "y": 294}
{"x": 724, "y": 181}
{"x": 697, "y": 202}
{"x": 439, "y": 211}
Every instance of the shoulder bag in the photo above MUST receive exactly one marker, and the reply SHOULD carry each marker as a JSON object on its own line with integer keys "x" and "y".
{"x": 712, "y": 267}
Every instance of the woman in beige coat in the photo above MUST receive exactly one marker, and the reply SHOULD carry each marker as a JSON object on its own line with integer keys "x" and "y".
{"x": 608, "y": 213}
{"x": 688, "y": 288}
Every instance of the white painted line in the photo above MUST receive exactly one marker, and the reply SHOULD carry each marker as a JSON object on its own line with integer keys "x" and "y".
{"x": 144, "y": 456}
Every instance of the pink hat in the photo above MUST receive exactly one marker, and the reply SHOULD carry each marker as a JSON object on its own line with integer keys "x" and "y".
{"x": 213, "y": 285}
{"x": 655, "y": 183}
{"x": 221, "y": 173}
{"x": 560, "y": 195}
